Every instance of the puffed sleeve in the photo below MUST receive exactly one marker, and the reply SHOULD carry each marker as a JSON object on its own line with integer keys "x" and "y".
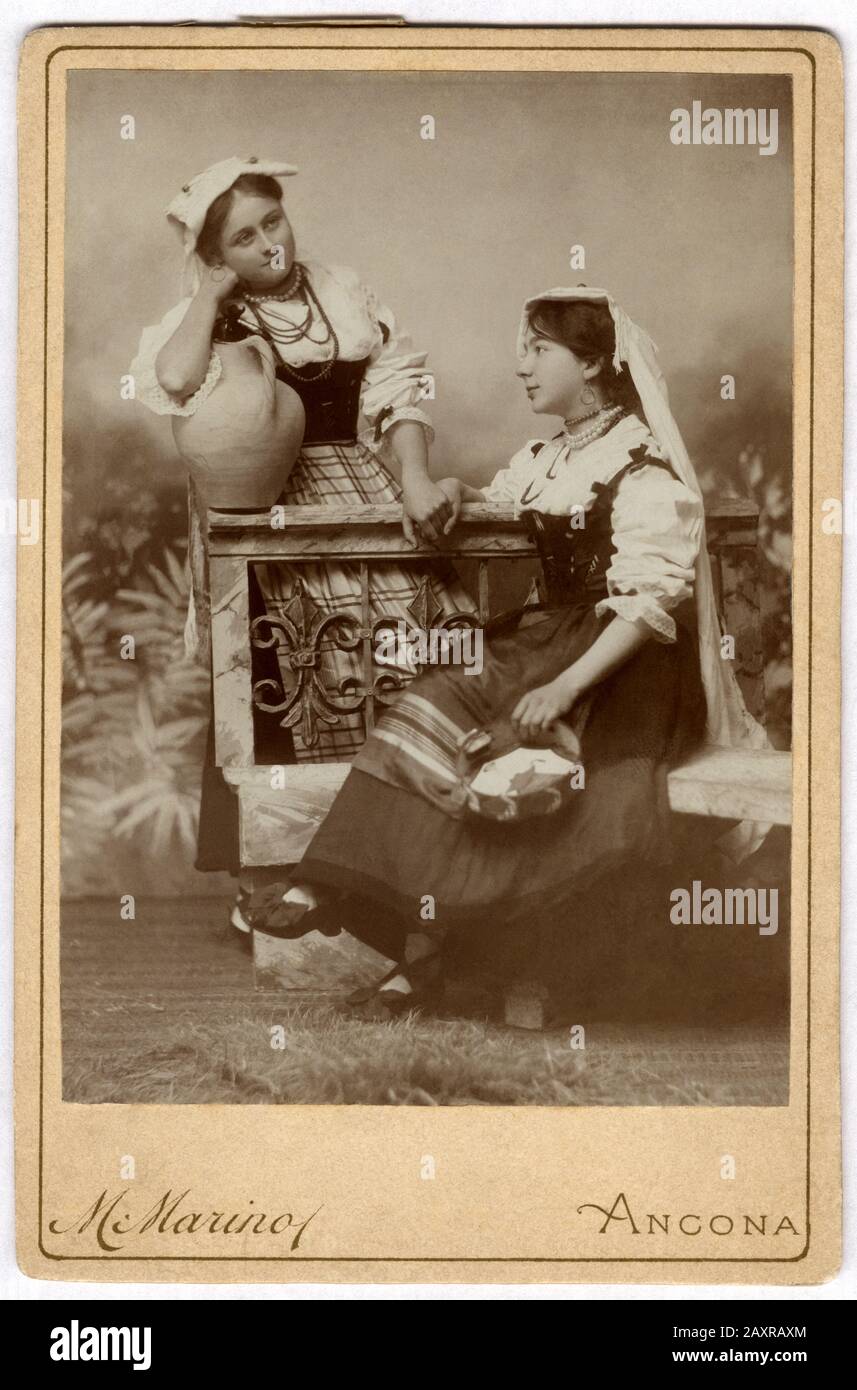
{"x": 657, "y": 531}
{"x": 511, "y": 482}
{"x": 148, "y": 389}
{"x": 394, "y": 382}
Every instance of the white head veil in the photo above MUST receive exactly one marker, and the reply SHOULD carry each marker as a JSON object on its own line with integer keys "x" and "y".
{"x": 729, "y": 722}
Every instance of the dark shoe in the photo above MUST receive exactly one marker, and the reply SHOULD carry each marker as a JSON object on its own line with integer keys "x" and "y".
{"x": 367, "y": 992}
{"x": 268, "y": 913}
{"x": 263, "y": 902}
{"x": 425, "y": 977}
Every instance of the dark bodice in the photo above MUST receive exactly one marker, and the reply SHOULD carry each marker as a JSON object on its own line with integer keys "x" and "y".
{"x": 575, "y": 559}
{"x": 331, "y": 402}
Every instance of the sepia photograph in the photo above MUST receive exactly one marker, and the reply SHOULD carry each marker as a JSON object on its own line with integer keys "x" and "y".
{"x": 426, "y": 588}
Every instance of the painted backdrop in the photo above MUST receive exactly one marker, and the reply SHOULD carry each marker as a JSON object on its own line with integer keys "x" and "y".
{"x": 453, "y": 232}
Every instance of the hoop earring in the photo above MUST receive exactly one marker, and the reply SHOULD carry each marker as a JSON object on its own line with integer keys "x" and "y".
{"x": 218, "y": 279}
{"x": 587, "y": 396}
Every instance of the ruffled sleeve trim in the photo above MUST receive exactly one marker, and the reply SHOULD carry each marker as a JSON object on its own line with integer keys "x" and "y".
{"x": 148, "y": 389}
{"x": 394, "y": 382}
{"x": 636, "y": 607}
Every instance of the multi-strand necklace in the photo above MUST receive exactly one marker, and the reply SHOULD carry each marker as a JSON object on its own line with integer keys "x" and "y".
{"x": 280, "y": 330}
{"x": 608, "y": 417}
{"x": 295, "y": 281}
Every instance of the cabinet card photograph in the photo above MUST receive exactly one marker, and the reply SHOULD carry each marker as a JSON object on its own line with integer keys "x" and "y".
{"x": 430, "y": 516}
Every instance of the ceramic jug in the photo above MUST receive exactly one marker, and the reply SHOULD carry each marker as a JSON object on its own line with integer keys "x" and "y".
{"x": 243, "y": 441}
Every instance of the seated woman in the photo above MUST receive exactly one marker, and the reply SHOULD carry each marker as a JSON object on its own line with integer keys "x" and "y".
{"x": 622, "y": 658}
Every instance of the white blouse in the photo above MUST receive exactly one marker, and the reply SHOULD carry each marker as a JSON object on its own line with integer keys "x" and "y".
{"x": 657, "y": 521}
{"x": 395, "y": 377}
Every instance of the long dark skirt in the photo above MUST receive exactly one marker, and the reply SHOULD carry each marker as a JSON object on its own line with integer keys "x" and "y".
{"x": 392, "y": 846}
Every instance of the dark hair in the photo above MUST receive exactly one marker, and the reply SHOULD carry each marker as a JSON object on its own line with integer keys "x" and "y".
{"x": 260, "y": 185}
{"x": 585, "y": 327}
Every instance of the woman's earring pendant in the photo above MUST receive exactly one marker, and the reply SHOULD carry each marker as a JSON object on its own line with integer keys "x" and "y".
{"x": 218, "y": 279}
{"x": 587, "y": 396}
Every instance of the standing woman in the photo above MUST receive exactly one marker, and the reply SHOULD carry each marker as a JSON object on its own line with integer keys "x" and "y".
{"x": 335, "y": 352}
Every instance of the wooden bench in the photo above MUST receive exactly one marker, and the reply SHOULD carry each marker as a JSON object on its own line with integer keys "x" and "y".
{"x": 277, "y": 822}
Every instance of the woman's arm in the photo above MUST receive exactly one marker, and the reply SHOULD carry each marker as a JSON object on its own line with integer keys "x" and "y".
{"x": 182, "y": 362}
{"x": 392, "y": 396}
{"x": 619, "y": 641}
{"x": 426, "y": 504}
{"x": 657, "y": 531}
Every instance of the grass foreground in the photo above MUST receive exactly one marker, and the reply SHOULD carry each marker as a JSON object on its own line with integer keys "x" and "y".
{"x": 162, "y": 1011}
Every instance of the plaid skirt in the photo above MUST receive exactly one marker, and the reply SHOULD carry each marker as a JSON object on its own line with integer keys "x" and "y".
{"x": 342, "y": 475}
{"x": 335, "y": 475}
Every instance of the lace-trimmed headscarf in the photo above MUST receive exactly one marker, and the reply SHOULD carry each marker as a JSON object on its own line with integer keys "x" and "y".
{"x": 190, "y": 206}
{"x": 729, "y": 722}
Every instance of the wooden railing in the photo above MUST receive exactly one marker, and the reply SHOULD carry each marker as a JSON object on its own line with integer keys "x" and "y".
{"x": 279, "y": 821}
{"x": 360, "y": 536}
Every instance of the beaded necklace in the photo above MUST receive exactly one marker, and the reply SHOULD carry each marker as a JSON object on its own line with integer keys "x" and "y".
{"x": 612, "y": 416}
{"x": 278, "y": 329}
{"x": 578, "y": 419}
{"x": 609, "y": 417}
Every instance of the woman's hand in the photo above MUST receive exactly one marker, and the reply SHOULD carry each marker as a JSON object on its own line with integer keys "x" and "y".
{"x": 428, "y": 507}
{"x": 536, "y": 712}
{"x": 454, "y": 489}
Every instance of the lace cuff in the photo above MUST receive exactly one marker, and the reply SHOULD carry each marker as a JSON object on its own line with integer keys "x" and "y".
{"x": 149, "y": 390}
{"x": 632, "y": 607}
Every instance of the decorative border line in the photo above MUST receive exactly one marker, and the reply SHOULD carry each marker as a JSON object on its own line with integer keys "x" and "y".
{"x": 417, "y": 1259}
